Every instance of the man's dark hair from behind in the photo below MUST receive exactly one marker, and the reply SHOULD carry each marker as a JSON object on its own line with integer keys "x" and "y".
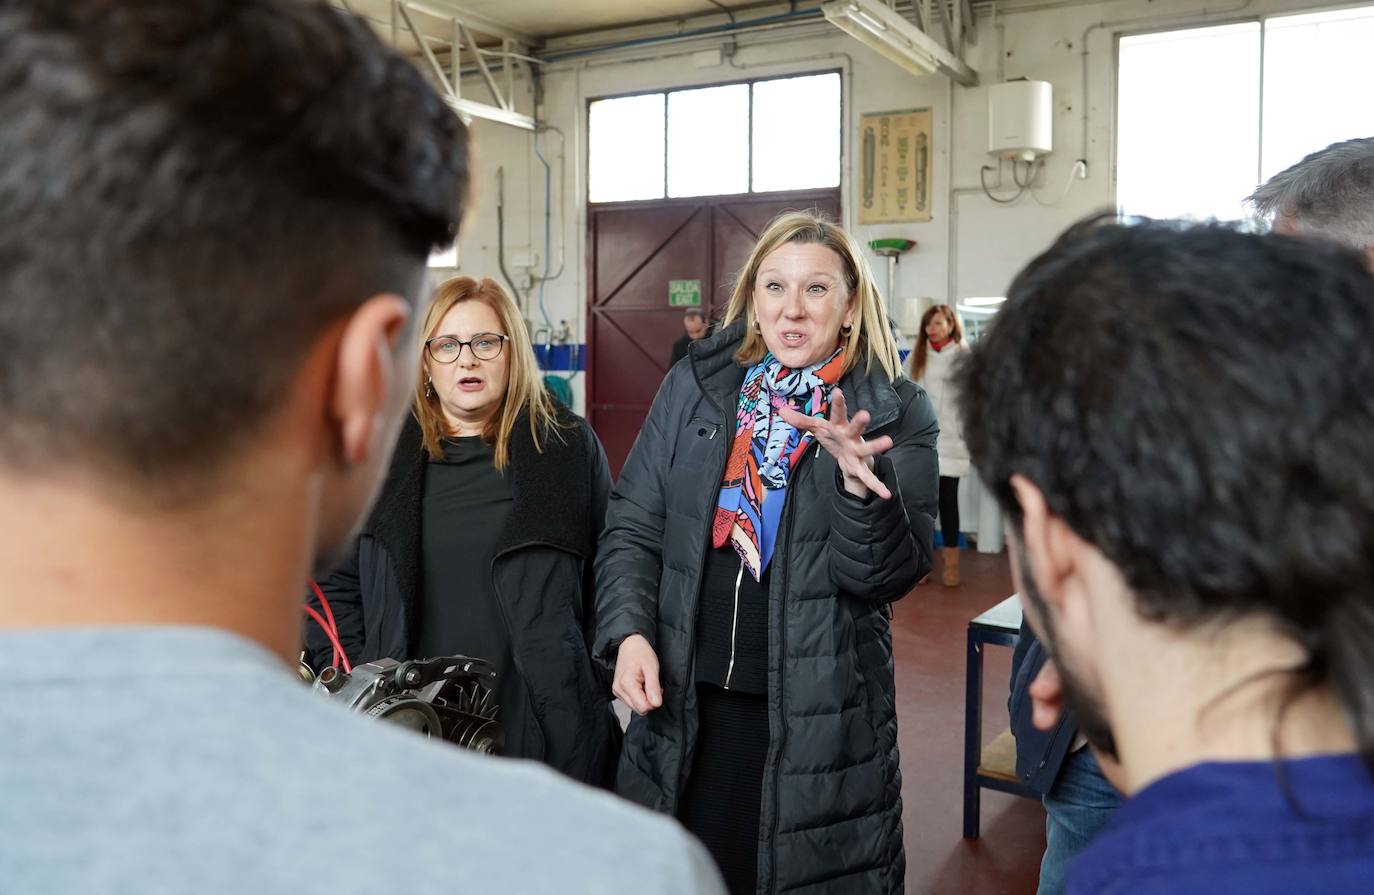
{"x": 1149, "y": 381}
{"x": 187, "y": 198}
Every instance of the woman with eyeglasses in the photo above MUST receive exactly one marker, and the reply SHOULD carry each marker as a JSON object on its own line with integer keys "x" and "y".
{"x": 482, "y": 541}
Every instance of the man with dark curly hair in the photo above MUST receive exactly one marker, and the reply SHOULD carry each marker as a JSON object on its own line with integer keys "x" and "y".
{"x": 1192, "y": 532}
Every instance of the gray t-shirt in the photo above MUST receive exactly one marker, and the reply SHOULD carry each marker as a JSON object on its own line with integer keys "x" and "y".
{"x": 190, "y": 760}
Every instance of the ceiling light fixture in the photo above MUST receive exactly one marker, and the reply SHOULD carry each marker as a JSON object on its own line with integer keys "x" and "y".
{"x": 882, "y": 29}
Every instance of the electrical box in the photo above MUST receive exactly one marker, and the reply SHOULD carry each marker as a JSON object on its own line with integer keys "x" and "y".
{"x": 1021, "y": 119}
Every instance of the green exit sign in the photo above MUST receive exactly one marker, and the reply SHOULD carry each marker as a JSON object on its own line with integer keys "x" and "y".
{"x": 684, "y": 293}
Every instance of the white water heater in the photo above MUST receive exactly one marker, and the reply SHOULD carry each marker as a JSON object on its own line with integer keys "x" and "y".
{"x": 1021, "y": 119}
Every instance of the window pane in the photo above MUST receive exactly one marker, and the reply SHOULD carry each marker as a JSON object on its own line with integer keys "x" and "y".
{"x": 1188, "y": 122}
{"x": 797, "y": 133}
{"x": 625, "y": 149}
{"x": 1306, "y": 58}
{"x": 444, "y": 257}
{"x": 708, "y": 141}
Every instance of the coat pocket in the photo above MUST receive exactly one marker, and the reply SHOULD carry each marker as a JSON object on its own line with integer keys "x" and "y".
{"x": 696, "y": 455}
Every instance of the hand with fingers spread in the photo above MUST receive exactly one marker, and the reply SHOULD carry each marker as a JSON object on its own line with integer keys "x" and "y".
{"x": 636, "y": 675}
{"x": 843, "y": 439}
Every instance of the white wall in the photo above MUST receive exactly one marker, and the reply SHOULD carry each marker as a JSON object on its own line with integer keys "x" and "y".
{"x": 971, "y": 247}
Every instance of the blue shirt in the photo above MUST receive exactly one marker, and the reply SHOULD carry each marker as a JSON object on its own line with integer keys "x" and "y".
{"x": 1215, "y": 829}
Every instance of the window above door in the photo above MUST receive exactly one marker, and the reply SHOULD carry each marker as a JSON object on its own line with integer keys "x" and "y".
{"x": 758, "y": 136}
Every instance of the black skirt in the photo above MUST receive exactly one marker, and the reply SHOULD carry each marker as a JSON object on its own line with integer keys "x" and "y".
{"x": 720, "y": 804}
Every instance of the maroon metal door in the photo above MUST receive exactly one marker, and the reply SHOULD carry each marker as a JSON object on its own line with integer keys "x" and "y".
{"x": 634, "y": 249}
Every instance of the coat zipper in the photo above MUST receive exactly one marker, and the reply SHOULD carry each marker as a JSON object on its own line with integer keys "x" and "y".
{"x": 696, "y": 602}
{"x": 734, "y": 626}
{"x": 791, "y": 513}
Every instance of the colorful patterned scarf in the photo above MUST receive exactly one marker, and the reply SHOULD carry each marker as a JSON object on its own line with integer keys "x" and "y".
{"x": 765, "y": 451}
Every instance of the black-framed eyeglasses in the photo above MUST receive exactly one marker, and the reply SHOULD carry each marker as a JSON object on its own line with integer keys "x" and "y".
{"x": 447, "y": 349}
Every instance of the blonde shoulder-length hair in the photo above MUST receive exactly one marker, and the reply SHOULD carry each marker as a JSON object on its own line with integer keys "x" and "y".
{"x": 525, "y": 390}
{"x": 870, "y": 339}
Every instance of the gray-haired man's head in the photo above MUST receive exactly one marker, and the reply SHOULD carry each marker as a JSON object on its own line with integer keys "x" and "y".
{"x": 694, "y": 323}
{"x": 1330, "y": 193}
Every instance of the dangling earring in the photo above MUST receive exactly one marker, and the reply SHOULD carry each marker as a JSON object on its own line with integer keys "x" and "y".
{"x": 429, "y": 388}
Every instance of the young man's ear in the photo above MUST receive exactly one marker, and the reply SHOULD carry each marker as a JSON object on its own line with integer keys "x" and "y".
{"x": 372, "y": 376}
{"x": 1045, "y": 539}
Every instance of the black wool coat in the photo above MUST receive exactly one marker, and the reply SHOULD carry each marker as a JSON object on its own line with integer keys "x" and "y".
{"x": 542, "y": 576}
{"x": 831, "y": 812}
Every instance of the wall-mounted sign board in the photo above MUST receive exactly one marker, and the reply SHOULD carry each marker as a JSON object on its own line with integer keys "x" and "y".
{"x": 895, "y": 159}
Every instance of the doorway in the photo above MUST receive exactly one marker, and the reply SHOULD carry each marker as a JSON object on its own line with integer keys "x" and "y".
{"x": 635, "y": 249}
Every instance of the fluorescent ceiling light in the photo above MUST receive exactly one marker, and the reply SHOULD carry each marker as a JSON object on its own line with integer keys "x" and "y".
{"x": 867, "y": 20}
{"x": 985, "y": 301}
{"x": 881, "y": 28}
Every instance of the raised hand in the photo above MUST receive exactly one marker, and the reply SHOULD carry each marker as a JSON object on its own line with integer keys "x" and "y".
{"x": 843, "y": 439}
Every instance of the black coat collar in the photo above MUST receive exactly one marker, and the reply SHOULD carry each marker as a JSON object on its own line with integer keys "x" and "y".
{"x": 552, "y": 488}
{"x": 552, "y": 492}
{"x": 720, "y": 378}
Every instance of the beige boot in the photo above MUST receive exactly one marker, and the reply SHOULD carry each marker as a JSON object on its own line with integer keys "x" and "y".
{"x": 949, "y": 576}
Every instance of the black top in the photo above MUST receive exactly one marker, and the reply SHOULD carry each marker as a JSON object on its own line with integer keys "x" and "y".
{"x": 680, "y": 349}
{"x": 732, "y": 621}
{"x": 465, "y": 507}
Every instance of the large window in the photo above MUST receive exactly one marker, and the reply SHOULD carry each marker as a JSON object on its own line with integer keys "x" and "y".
{"x": 756, "y": 136}
{"x": 1206, "y": 114}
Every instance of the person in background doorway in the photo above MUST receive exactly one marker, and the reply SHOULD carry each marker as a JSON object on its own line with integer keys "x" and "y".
{"x": 753, "y": 544}
{"x": 694, "y": 330}
{"x": 1192, "y": 530}
{"x": 482, "y": 541}
{"x": 939, "y": 345}
{"x": 214, "y": 222}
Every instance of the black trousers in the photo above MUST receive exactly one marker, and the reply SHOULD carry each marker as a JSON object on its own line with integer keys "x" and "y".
{"x": 720, "y": 804}
{"x": 949, "y": 510}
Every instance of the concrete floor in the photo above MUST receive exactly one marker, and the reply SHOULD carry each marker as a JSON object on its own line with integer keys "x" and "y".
{"x": 929, "y": 629}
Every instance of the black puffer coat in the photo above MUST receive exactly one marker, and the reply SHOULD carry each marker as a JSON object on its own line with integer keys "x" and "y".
{"x": 542, "y": 572}
{"x": 831, "y": 813}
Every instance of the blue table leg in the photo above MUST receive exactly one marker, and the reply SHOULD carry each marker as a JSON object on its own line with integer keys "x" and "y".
{"x": 973, "y": 734}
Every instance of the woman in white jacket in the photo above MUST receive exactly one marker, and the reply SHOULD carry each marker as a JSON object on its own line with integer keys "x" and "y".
{"x": 939, "y": 346}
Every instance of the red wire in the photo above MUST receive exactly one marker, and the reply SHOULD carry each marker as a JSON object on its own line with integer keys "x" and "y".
{"x": 339, "y": 655}
{"x": 329, "y": 613}
{"x": 331, "y": 629}
{"x": 324, "y": 604}
{"x": 333, "y": 638}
